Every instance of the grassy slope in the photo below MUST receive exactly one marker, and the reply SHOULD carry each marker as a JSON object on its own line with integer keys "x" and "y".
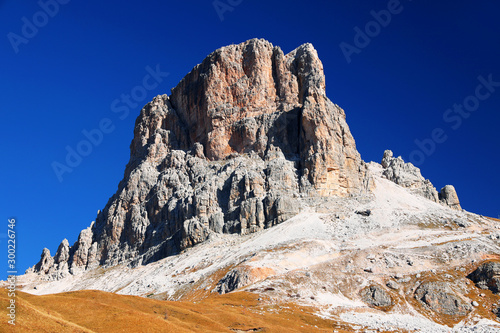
{"x": 97, "y": 311}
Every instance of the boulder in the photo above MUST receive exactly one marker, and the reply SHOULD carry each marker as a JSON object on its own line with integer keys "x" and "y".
{"x": 437, "y": 296}
{"x": 240, "y": 277}
{"x": 376, "y": 296}
{"x": 234, "y": 279}
{"x": 392, "y": 284}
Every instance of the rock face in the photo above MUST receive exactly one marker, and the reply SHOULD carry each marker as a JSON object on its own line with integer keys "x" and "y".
{"x": 407, "y": 175}
{"x": 240, "y": 140}
{"x": 487, "y": 276}
{"x": 438, "y": 297}
{"x": 248, "y": 97}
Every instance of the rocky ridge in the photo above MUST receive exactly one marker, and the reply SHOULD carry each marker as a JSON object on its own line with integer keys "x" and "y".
{"x": 407, "y": 175}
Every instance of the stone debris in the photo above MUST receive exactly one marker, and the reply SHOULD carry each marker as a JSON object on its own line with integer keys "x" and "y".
{"x": 392, "y": 284}
{"x": 365, "y": 212}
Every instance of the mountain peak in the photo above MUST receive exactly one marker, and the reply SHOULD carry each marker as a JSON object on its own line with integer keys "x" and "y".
{"x": 248, "y": 80}
{"x": 242, "y": 139}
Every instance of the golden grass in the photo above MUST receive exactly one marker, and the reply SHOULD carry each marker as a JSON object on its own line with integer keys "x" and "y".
{"x": 97, "y": 311}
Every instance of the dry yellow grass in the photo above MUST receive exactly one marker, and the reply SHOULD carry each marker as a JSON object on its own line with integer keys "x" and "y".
{"x": 97, "y": 311}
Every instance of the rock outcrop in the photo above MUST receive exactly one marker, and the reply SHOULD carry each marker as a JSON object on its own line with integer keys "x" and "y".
{"x": 448, "y": 196}
{"x": 407, "y": 175}
{"x": 46, "y": 262}
{"x": 487, "y": 276}
{"x": 62, "y": 254}
{"x": 376, "y": 296}
{"x": 240, "y": 277}
{"x": 240, "y": 140}
{"x": 438, "y": 297}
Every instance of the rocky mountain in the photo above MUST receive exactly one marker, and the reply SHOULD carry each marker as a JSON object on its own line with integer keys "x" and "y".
{"x": 240, "y": 141}
{"x": 246, "y": 177}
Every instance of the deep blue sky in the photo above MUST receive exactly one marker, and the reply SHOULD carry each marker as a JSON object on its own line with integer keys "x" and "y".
{"x": 64, "y": 78}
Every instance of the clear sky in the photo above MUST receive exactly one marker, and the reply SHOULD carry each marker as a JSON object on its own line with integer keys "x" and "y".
{"x": 403, "y": 71}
